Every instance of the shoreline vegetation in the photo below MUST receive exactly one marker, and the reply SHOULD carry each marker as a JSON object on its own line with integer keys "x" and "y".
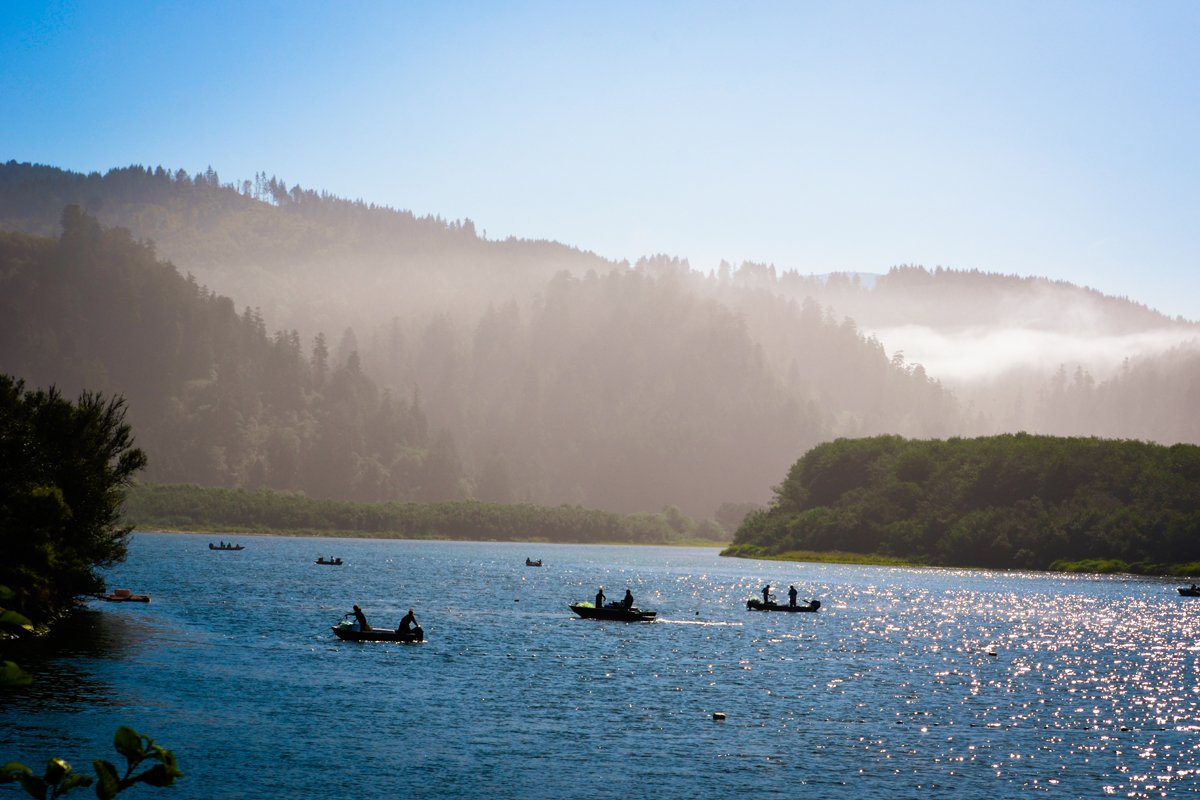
{"x": 204, "y": 509}
{"x": 1090, "y": 566}
{"x": 1013, "y": 501}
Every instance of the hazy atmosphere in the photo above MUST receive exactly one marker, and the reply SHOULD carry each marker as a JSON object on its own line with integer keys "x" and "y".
{"x": 425, "y": 400}
{"x": 1021, "y": 138}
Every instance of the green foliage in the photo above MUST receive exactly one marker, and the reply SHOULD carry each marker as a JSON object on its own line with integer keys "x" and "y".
{"x": 189, "y": 507}
{"x": 1013, "y": 501}
{"x": 63, "y": 471}
{"x": 59, "y": 778}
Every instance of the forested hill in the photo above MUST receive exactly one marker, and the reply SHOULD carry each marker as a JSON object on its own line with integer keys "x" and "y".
{"x": 307, "y": 260}
{"x": 1003, "y": 501}
{"x": 627, "y": 392}
{"x": 212, "y": 398}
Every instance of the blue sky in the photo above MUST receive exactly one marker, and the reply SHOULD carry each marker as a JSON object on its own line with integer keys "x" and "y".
{"x": 1034, "y": 138}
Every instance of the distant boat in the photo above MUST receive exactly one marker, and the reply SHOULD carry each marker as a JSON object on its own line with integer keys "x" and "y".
{"x": 1190, "y": 591}
{"x": 332, "y": 562}
{"x": 613, "y": 611}
{"x": 753, "y": 604}
{"x": 223, "y": 546}
{"x": 529, "y": 562}
{"x": 124, "y": 596}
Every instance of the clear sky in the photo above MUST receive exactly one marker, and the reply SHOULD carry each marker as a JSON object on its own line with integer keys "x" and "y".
{"x": 1036, "y": 138}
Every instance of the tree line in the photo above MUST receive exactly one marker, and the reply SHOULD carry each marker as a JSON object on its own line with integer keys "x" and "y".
{"x": 1010, "y": 501}
{"x": 190, "y": 507}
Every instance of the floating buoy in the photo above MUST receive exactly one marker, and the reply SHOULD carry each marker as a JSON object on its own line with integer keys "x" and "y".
{"x": 719, "y": 716}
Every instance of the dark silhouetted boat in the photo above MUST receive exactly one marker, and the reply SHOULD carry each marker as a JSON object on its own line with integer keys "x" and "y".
{"x": 754, "y": 604}
{"x": 613, "y": 611}
{"x": 529, "y": 562}
{"x": 349, "y": 631}
{"x": 1190, "y": 591}
{"x": 329, "y": 562}
{"x": 224, "y": 546}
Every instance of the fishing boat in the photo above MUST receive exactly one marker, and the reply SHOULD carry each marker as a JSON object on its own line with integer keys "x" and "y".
{"x": 529, "y": 562}
{"x": 330, "y": 562}
{"x": 349, "y": 631}
{"x": 223, "y": 546}
{"x": 124, "y": 596}
{"x": 613, "y": 611}
{"x": 754, "y": 604}
{"x": 1190, "y": 591}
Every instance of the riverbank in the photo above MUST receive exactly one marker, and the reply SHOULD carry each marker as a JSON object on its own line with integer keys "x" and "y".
{"x": 228, "y": 532}
{"x": 1109, "y": 566}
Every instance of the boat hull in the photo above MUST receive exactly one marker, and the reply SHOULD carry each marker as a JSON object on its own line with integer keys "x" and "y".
{"x": 125, "y": 598}
{"x": 617, "y": 614}
{"x": 759, "y": 605}
{"x": 347, "y": 634}
{"x": 1189, "y": 592}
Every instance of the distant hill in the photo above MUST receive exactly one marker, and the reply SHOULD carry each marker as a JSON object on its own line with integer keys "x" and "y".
{"x": 1004, "y": 501}
{"x": 555, "y": 376}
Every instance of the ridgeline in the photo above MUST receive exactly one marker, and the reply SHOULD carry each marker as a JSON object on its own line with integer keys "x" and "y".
{"x": 1011, "y": 501}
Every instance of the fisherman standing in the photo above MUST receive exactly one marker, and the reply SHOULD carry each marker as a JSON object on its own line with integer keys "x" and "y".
{"x": 600, "y": 598}
{"x": 792, "y": 596}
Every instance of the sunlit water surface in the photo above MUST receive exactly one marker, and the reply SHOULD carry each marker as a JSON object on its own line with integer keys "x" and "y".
{"x": 909, "y": 683}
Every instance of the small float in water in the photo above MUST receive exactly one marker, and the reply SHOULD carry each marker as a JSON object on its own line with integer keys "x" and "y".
{"x": 124, "y": 596}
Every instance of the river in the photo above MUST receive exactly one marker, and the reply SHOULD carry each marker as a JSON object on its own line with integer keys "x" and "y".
{"x": 907, "y": 682}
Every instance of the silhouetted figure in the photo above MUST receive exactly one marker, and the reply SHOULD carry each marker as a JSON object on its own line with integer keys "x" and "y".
{"x": 600, "y": 598}
{"x": 361, "y": 618}
{"x": 792, "y": 596}
{"x": 408, "y": 623}
{"x": 627, "y": 601}
{"x": 766, "y": 593}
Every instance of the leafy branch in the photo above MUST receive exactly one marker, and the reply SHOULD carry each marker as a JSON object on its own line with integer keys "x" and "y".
{"x": 59, "y": 778}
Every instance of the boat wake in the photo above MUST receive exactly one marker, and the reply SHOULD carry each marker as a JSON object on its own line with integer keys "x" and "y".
{"x": 701, "y": 622}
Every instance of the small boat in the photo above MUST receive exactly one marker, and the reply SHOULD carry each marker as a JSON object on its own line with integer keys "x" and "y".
{"x": 1190, "y": 591}
{"x": 349, "y": 632}
{"x": 529, "y": 562}
{"x": 613, "y": 611}
{"x": 753, "y": 604}
{"x": 124, "y": 596}
{"x": 224, "y": 546}
{"x": 332, "y": 562}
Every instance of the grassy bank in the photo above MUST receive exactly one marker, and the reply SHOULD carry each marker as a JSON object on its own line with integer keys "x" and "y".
{"x": 829, "y": 557}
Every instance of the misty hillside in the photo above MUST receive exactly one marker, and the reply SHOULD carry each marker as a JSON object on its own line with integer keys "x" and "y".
{"x": 307, "y": 260}
{"x": 628, "y": 391}
{"x": 555, "y": 376}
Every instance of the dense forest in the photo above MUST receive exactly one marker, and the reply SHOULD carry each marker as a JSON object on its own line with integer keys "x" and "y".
{"x": 194, "y": 508}
{"x": 1002, "y": 501}
{"x": 380, "y": 356}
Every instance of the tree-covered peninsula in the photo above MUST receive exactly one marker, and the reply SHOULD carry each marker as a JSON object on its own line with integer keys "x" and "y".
{"x": 1011, "y": 501}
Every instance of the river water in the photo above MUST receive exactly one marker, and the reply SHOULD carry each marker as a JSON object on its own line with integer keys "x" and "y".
{"x": 908, "y": 682}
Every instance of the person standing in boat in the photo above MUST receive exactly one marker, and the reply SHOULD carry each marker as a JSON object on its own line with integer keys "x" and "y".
{"x": 627, "y": 601}
{"x": 361, "y": 618}
{"x": 792, "y": 596}
{"x": 600, "y": 598}
{"x": 766, "y": 593}
{"x": 408, "y": 623}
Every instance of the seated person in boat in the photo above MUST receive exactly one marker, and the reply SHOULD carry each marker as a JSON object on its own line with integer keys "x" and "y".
{"x": 408, "y": 623}
{"x": 792, "y": 596}
{"x": 627, "y": 601}
{"x": 361, "y": 619}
